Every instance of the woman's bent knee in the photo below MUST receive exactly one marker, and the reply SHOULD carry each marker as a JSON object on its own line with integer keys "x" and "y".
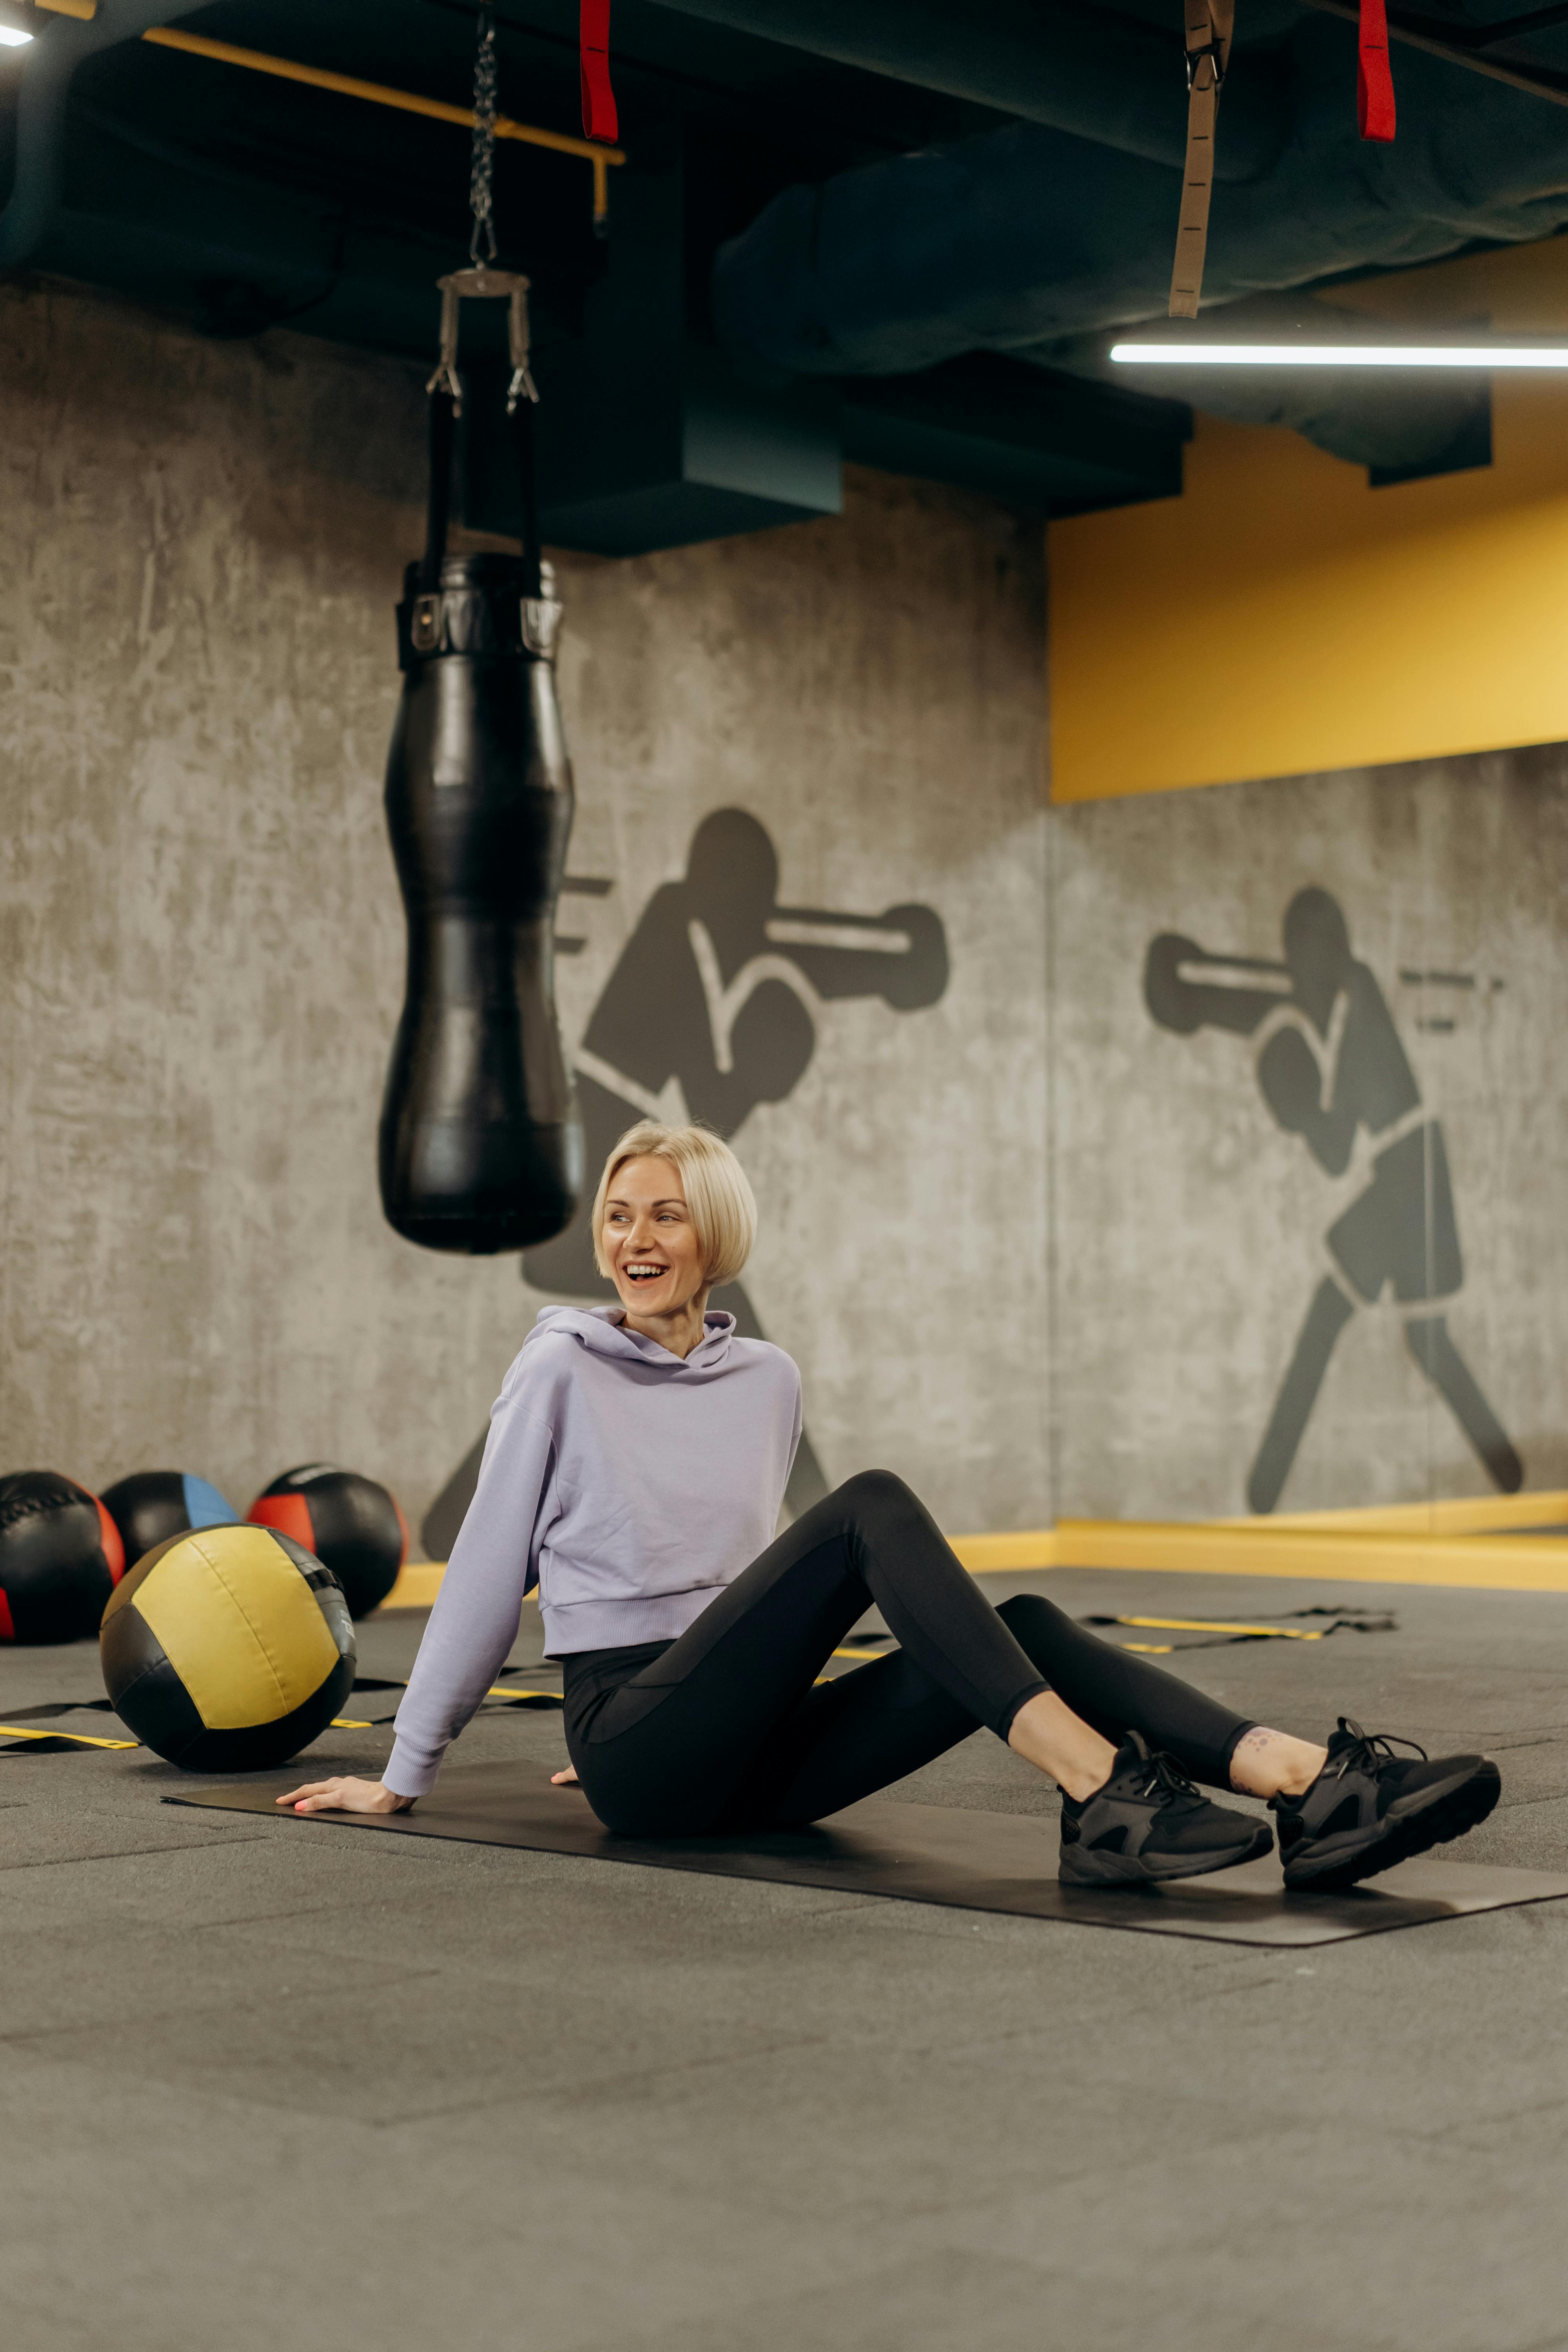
{"x": 1030, "y": 1618}
{"x": 872, "y": 1490}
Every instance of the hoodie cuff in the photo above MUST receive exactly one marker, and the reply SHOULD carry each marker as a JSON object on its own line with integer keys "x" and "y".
{"x": 404, "y": 1777}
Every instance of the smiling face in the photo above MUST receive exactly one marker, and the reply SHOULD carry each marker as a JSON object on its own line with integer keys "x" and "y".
{"x": 649, "y": 1242}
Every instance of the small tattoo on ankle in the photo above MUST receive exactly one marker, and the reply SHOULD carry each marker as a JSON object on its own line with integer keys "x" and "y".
{"x": 1254, "y": 1742}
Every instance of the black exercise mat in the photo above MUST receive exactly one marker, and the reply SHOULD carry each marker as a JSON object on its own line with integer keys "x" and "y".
{"x": 934, "y": 1854}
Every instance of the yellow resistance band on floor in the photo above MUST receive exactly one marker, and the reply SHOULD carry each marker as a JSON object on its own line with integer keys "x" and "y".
{"x": 1221, "y": 1625}
{"x": 77, "y": 1739}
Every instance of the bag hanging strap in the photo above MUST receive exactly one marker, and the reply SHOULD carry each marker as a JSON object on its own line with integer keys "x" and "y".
{"x": 1374, "y": 80}
{"x": 599, "y": 118}
{"x": 445, "y": 391}
{"x": 1208, "y": 32}
{"x": 437, "y": 512}
{"x": 523, "y": 433}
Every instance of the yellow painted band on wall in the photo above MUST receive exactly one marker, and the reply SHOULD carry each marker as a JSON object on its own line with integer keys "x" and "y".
{"x": 1468, "y": 1515}
{"x": 1281, "y": 616}
{"x": 1463, "y": 1542}
{"x": 417, "y": 1584}
{"x": 1478, "y": 1563}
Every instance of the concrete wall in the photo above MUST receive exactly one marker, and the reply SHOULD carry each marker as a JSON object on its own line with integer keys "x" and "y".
{"x": 1189, "y": 1224}
{"x": 202, "y": 967}
{"x": 202, "y": 939}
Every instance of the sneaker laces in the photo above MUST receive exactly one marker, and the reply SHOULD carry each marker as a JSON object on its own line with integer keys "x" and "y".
{"x": 1369, "y": 1750}
{"x": 1166, "y": 1781}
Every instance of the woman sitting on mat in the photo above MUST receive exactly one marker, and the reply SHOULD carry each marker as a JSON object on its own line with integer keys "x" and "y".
{"x": 635, "y": 1467}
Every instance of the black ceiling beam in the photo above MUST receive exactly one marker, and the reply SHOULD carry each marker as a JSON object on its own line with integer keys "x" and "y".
{"x": 47, "y": 70}
{"x": 1096, "y": 74}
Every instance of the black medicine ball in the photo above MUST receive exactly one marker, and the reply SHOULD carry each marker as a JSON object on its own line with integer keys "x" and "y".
{"x": 61, "y": 1558}
{"x": 151, "y": 1506}
{"x": 349, "y": 1522}
{"x": 227, "y": 1650}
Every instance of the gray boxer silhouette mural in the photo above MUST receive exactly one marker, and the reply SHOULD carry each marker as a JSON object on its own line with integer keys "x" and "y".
{"x": 1328, "y": 1062}
{"x": 711, "y": 1009}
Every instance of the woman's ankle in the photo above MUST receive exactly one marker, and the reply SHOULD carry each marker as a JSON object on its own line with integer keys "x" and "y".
{"x": 1048, "y": 1734}
{"x": 1266, "y": 1763}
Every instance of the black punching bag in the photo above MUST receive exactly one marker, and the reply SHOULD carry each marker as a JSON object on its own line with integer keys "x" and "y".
{"x": 480, "y": 1148}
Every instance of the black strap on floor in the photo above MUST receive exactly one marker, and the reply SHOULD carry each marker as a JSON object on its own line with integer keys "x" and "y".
{"x": 1220, "y": 1633}
{"x": 18, "y": 1740}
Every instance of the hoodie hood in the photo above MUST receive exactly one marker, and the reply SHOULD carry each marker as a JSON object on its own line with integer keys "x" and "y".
{"x": 603, "y": 1330}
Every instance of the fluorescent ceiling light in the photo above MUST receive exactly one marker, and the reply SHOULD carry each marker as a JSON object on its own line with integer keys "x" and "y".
{"x": 1343, "y": 355}
{"x": 13, "y": 38}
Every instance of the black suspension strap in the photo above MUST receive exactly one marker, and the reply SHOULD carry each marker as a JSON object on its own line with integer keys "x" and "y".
{"x": 446, "y": 396}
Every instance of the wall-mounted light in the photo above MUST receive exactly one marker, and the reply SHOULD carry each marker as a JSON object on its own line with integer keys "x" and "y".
{"x": 16, "y": 32}
{"x": 1345, "y": 355}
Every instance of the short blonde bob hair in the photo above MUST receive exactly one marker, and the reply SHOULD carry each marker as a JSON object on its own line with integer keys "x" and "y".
{"x": 723, "y": 1209}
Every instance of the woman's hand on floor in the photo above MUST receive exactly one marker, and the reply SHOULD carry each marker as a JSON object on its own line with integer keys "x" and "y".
{"x": 345, "y": 1796}
{"x": 567, "y": 1780}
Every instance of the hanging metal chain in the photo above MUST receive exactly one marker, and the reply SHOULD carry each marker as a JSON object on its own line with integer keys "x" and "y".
{"x": 482, "y": 176}
{"x": 482, "y": 280}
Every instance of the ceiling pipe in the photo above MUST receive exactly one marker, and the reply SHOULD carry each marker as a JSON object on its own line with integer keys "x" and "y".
{"x": 1111, "y": 79}
{"x": 1021, "y": 240}
{"x": 47, "y": 68}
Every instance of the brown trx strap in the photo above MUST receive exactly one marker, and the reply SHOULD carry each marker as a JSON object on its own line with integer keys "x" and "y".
{"x": 1209, "y": 54}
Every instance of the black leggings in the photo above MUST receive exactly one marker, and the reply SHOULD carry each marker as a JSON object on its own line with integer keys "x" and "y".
{"x": 729, "y": 1728}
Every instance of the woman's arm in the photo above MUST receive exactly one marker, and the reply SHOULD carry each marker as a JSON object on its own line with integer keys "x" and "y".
{"x": 472, "y": 1625}
{"x": 474, "y": 1622}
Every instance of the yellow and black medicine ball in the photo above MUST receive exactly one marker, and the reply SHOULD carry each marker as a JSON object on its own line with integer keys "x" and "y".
{"x": 227, "y": 1648}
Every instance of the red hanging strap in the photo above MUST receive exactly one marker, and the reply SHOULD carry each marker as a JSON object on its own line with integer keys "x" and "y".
{"x": 599, "y": 119}
{"x": 1374, "y": 81}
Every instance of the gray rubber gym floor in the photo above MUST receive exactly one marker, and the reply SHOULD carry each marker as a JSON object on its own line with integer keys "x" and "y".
{"x": 282, "y": 2086}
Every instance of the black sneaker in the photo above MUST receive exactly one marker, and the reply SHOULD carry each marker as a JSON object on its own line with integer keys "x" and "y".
{"x": 1148, "y": 1823}
{"x": 1369, "y": 1808}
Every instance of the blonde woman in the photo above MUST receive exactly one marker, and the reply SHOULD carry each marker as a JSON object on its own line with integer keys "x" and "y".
{"x": 634, "y": 1471}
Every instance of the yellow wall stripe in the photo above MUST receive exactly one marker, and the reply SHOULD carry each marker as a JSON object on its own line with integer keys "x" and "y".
{"x": 1480, "y": 1563}
{"x": 1282, "y": 617}
{"x": 1463, "y": 1542}
{"x": 418, "y": 1583}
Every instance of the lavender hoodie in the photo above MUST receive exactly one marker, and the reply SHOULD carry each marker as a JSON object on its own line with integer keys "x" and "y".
{"x": 629, "y": 1485}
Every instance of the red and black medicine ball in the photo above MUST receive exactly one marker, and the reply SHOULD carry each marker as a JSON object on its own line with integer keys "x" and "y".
{"x": 353, "y": 1527}
{"x": 61, "y": 1558}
